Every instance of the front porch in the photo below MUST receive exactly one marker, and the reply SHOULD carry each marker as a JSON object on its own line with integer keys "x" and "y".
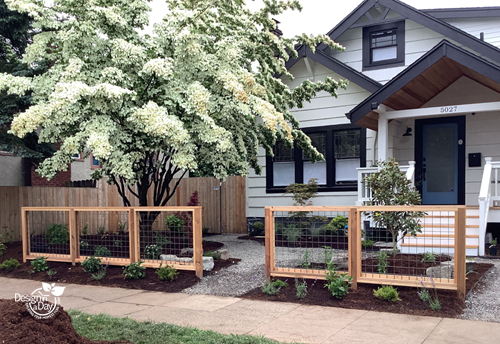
{"x": 439, "y": 119}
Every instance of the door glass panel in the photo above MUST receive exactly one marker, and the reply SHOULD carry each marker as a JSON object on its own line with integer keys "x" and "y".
{"x": 440, "y": 158}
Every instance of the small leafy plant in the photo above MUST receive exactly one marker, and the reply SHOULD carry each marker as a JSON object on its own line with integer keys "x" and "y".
{"x": 301, "y": 287}
{"x": 174, "y": 223}
{"x": 101, "y": 272}
{"x": 327, "y": 254}
{"x": 213, "y": 254}
{"x": 84, "y": 245}
{"x": 337, "y": 225}
{"x": 101, "y": 230}
{"x": 91, "y": 264}
{"x": 367, "y": 243}
{"x": 102, "y": 251}
{"x": 134, "y": 271}
{"x": 2, "y": 247}
{"x": 306, "y": 260}
{"x": 382, "y": 264}
{"x": 117, "y": 243}
{"x": 39, "y": 264}
{"x": 51, "y": 272}
{"x": 338, "y": 284}
{"x": 167, "y": 273}
{"x": 493, "y": 242}
{"x": 57, "y": 233}
{"x": 292, "y": 233}
{"x": 152, "y": 251}
{"x": 161, "y": 240}
{"x": 85, "y": 229}
{"x": 428, "y": 257}
{"x": 205, "y": 230}
{"x": 122, "y": 228}
{"x": 431, "y": 298}
{"x": 387, "y": 293}
{"x": 10, "y": 264}
{"x": 272, "y": 288}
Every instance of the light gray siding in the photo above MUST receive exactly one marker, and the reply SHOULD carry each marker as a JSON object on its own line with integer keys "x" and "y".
{"x": 11, "y": 171}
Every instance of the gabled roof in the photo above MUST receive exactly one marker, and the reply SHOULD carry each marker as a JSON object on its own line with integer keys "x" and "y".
{"x": 426, "y": 78}
{"x": 338, "y": 67}
{"x": 420, "y": 17}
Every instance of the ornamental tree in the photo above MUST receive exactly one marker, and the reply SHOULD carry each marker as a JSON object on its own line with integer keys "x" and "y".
{"x": 201, "y": 90}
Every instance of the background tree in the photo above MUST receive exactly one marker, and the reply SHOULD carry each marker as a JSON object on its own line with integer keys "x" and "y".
{"x": 389, "y": 186}
{"x": 201, "y": 90}
{"x": 16, "y": 33}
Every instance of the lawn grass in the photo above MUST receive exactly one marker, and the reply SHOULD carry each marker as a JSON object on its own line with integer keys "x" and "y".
{"x": 105, "y": 327}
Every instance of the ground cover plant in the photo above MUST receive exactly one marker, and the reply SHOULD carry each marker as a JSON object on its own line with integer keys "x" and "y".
{"x": 10, "y": 264}
{"x": 167, "y": 273}
{"x": 134, "y": 271}
{"x": 337, "y": 283}
{"x": 39, "y": 264}
{"x": 387, "y": 293}
{"x": 57, "y": 233}
{"x": 273, "y": 287}
{"x": 91, "y": 264}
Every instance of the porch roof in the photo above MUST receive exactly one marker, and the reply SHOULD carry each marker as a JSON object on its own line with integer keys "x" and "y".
{"x": 425, "y": 79}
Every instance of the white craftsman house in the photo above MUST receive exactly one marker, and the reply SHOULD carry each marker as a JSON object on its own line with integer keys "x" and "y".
{"x": 424, "y": 88}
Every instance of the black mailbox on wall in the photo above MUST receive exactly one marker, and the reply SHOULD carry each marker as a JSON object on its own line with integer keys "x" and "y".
{"x": 474, "y": 159}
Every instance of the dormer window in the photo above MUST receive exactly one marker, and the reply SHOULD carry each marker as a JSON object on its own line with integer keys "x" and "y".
{"x": 384, "y": 46}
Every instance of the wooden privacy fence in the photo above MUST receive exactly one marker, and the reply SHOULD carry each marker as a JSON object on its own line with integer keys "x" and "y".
{"x": 13, "y": 198}
{"x": 428, "y": 249}
{"x": 119, "y": 235}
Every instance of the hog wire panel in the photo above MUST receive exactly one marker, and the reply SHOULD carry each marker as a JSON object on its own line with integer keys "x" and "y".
{"x": 309, "y": 240}
{"x": 408, "y": 245}
{"x": 103, "y": 234}
{"x": 166, "y": 237}
{"x": 48, "y": 233}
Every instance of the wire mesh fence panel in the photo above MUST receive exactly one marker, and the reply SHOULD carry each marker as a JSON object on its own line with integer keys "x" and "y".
{"x": 104, "y": 234}
{"x": 166, "y": 237}
{"x": 48, "y": 234}
{"x": 410, "y": 246}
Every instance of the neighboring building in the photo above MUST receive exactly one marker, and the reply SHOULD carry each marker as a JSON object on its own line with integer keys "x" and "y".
{"x": 424, "y": 86}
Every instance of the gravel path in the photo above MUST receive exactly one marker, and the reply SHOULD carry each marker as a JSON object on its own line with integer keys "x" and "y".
{"x": 484, "y": 302}
{"x": 237, "y": 279}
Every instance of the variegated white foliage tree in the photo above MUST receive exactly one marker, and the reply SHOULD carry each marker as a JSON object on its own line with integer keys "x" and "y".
{"x": 202, "y": 89}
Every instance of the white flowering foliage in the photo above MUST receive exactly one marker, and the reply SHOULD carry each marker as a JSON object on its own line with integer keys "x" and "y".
{"x": 199, "y": 93}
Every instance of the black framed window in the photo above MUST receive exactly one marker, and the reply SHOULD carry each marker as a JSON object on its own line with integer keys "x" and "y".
{"x": 384, "y": 46}
{"x": 344, "y": 149}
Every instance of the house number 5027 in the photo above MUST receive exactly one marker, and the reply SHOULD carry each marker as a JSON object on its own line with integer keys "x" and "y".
{"x": 449, "y": 109}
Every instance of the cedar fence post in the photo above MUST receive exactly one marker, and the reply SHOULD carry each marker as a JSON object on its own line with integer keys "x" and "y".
{"x": 25, "y": 234}
{"x": 269, "y": 241}
{"x": 197, "y": 241}
{"x": 72, "y": 234}
{"x": 131, "y": 234}
{"x": 460, "y": 251}
{"x": 353, "y": 247}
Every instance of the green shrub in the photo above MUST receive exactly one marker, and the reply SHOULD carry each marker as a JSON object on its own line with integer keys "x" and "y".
{"x": 292, "y": 233}
{"x": 257, "y": 228}
{"x": 301, "y": 287}
{"x": 327, "y": 254}
{"x": 39, "y": 264}
{"x": 101, "y": 230}
{"x": 134, "y": 271}
{"x": 205, "y": 230}
{"x": 91, "y": 264}
{"x": 117, "y": 243}
{"x": 279, "y": 227}
{"x": 382, "y": 264}
{"x": 306, "y": 260}
{"x": 10, "y": 264}
{"x": 84, "y": 245}
{"x": 161, "y": 240}
{"x": 51, "y": 272}
{"x": 102, "y": 251}
{"x": 152, "y": 251}
{"x": 213, "y": 254}
{"x": 2, "y": 248}
{"x": 337, "y": 225}
{"x": 272, "y": 288}
{"x": 57, "y": 233}
{"x": 101, "y": 272}
{"x": 367, "y": 243}
{"x": 338, "y": 284}
{"x": 167, "y": 273}
{"x": 428, "y": 257}
{"x": 122, "y": 228}
{"x": 174, "y": 223}
{"x": 387, "y": 293}
{"x": 85, "y": 229}
{"x": 315, "y": 230}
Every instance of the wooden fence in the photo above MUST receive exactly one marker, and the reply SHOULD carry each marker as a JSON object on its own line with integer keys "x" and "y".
{"x": 138, "y": 240}
{"x": 13, "y": 198}
{"x": 301, "y": 241}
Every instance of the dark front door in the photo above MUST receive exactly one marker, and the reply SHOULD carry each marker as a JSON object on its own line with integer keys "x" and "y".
{"x": 440, "y": 156}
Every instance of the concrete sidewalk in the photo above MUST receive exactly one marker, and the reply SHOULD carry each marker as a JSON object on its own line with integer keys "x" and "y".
{"x": 280, "y": 321}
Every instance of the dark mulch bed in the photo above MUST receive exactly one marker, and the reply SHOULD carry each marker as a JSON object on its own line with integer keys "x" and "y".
{"x": 20, "y": 327}
{"x": 118, "y": 244}
{"x": 403, "y": 264}
{"x": 363, "y": 298}
{"x": 66, "y": 273}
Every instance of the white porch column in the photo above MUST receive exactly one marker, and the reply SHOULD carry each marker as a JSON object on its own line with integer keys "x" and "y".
{"x": 383, "y": 137}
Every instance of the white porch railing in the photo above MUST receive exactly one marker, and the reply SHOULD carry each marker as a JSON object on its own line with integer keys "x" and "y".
{"x": 364, "y": 192}
{"x": 486, "y": 197}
